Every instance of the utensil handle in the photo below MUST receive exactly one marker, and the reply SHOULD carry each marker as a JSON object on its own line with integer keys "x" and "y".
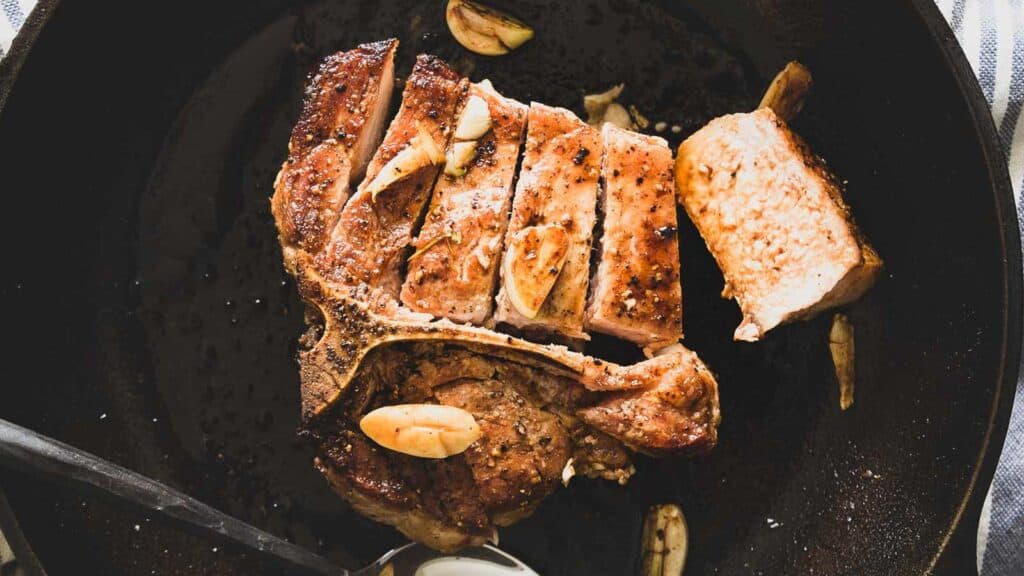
{"x": 23, "y": 450}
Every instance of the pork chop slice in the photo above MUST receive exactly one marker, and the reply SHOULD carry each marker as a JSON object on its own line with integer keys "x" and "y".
{"x": 368, "y": 246}
{"x": 774, "y": 219}
{"x": 557, "y": 187}
{"x": 340, "y": 126}
{"x": 455, "y": 269}
{"x": 635, "y": 292}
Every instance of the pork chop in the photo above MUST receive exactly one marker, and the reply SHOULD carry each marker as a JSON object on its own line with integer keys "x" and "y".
{"x": 540, "y": 407}
{"x": 774, "y": 219}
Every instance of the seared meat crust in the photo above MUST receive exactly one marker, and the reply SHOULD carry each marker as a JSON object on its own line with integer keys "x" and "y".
{"x": 340, "y": 126}
{"x": 369, "y": 244}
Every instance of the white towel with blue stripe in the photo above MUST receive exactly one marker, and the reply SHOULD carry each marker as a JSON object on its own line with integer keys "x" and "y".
{"x": 991, "y": 33}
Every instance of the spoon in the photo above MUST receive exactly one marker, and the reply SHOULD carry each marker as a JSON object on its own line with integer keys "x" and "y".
{"x": 23, "y": 450}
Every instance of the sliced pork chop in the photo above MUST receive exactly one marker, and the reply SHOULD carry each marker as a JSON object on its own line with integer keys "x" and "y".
{"x": 340, "y": 126}
{"x": 557, "y": 187}
{"x": 774, "y": 219}
{"x": 635, "y": 292}
{"x": 455, "y": 269}
{"x": 538, "y": 405}
{"x": 369, "y": 244}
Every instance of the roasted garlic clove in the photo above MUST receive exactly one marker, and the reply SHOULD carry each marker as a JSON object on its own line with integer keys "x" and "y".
{"x": 485, "y": 30}
{"x": 422, "y": 430}
{"x": 422, "y": 151}
{"x": 475, "y": 120}
{"x": 603, "y": 108}
{"x": 532, "y": 263}
{"x": 786, "y": 94}
{"x": 597, "y": 104}
{"x": 841, "y": 345}
{"x": 568, "y": 471}
{"x": 460, "y": 154}
{"x": 619, "y": 116}
{"x": 664, "y": 541}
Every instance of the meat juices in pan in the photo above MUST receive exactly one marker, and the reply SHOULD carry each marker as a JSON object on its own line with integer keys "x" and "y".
{"x": 367, "y": 248}
{"x": 635, "y": 292}
{"x": 557, "y": 186}
{"x": 337, "y": 132}
{"x": 774, "y": 219}
{"x": 455, "y": 268}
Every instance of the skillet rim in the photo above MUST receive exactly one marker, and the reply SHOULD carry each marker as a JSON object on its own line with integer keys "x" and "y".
{"x": 969, "y": 508}
{"x": 1006, "y": 215}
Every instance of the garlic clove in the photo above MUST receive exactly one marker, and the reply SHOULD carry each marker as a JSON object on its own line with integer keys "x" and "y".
{"x": 421, "y": 151}
{"x": 485, "y": 30}
{"x": 532, "y": 263}
{"x": 422, "y": 430}
{"x": 460, "y": 154}
{"x": 597, "y": 104}
{"x": 619, "y": 116}
{"x": 475, "y": 120}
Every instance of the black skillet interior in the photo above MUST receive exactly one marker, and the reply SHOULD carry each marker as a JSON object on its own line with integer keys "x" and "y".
{"x": 150, "y": 320}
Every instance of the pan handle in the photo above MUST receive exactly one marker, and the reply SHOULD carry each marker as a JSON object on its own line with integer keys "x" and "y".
{"x": 28, "y": 452}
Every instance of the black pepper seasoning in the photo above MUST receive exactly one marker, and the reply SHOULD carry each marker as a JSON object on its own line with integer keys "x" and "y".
{"x": 581, "y": 155}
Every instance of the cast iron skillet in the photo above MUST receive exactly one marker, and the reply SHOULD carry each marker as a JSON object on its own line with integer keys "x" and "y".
{"x": 148, "y": 318}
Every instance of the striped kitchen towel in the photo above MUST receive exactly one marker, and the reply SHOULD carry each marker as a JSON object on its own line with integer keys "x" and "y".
{"x": 14, "y": 14}
{"x": 991, "y": 33}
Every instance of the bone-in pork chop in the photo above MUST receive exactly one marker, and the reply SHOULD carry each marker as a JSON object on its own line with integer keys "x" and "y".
{"x": 539, "y": 407}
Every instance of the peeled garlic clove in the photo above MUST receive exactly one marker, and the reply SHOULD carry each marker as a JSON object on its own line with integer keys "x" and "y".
{"x": 597, "y": 104}
{"x": 568, "y": 471}
{"x": 664, "y": 541}
{"x": 841, "y": 345}
{"x": 514, "y": 36}
{"x": 480, "y": 43}
{"x": 460, "y": 154}
{"x": 475, "y": 120}
{"x": 422, "y": 151}
{"x": 786, "y": 94}
{"x": 618, "y": 115}
{"x": 485, "y": 30}
{"x": 531, "y": 266}
{"x": 422, "y": 430}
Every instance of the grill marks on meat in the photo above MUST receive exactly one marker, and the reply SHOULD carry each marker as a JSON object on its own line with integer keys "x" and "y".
{"x": 538, "y": 405}
{"x": 456, "y": 274}
{"x": 636, "y": 293}
{"x": 340, "y": 125}
{"x": 557, "y": 185}
{"x": 774, "y": 220}
{"x": 368, "y": 246}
